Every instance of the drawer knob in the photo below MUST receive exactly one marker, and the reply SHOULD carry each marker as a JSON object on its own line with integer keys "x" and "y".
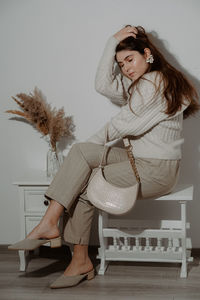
{"x": 46, "y": 202}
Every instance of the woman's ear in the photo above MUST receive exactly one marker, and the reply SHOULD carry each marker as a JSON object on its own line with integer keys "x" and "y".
{"x": 147, "y": 52}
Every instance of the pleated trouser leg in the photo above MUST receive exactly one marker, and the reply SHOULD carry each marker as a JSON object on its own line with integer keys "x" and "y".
{"x": 76, "y": 169}
{"x": 69, "y": 186}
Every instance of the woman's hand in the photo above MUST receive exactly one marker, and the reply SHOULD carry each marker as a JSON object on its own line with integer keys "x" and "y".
{"x": 126, "y": 32}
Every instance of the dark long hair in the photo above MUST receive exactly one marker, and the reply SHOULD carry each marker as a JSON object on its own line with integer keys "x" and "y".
{"x": 176, "y": 86}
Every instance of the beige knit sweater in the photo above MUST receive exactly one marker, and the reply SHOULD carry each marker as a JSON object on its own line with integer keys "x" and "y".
{"x": 154, "y": 133}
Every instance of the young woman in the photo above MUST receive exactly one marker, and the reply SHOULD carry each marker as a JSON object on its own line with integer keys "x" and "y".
{"x": 155, "y": 97}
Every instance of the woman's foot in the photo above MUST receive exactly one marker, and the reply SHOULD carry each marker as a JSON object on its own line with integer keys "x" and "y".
{"x": 78, "y": 266}
{"x": 45, "y": 230}
{"x": 40, "y": 235}
{"x": 48, "y": 226}
{"x": 76, "y": 272}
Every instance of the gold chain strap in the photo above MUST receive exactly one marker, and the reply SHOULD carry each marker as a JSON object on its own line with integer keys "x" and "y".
{"x": 132, "y": 161}
{"x": 129, "y": 152}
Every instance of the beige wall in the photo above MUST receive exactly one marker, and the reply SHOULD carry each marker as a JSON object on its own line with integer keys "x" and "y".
{"x": 56, "y": 46}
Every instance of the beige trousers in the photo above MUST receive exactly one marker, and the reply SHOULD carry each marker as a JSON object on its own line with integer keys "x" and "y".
{"x": 69, "y": 186}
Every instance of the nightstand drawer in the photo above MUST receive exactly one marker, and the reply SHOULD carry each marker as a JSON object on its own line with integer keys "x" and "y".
{"x": 34, "y": 201}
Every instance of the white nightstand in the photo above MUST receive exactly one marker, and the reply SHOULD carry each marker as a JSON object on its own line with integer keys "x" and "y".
{"x": 33, "y": 205}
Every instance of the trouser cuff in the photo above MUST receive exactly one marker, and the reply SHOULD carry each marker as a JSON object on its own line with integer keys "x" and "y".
{"x": 76, "y": 240}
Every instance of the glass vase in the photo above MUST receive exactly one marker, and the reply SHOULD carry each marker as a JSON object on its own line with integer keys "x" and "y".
{"x": 54, "y": 161}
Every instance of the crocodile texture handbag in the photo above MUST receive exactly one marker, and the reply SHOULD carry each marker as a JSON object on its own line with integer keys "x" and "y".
{"x": 108, "y": 197}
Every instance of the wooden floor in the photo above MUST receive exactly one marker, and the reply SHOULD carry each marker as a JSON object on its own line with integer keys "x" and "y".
{"x": 122, "y": 280}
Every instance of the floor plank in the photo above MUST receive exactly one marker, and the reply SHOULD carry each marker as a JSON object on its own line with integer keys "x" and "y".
{"x": 122, "y": 280}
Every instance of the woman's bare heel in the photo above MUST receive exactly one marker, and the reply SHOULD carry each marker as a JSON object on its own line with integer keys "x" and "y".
{"x": 90, "y": 275}
{"x": 55, "y": 243}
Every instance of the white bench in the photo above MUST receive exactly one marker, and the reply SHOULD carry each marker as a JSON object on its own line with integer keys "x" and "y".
{"x": 127, "y": 236}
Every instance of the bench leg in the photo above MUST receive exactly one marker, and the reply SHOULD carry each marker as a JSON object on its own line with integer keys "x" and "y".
{"x": 103, "y": 217}
{"x": 183, "y": 273}
{"x": 103, "y": 266}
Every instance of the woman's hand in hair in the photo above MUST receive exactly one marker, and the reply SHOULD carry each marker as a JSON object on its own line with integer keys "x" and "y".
{"x": 125, "y": 32}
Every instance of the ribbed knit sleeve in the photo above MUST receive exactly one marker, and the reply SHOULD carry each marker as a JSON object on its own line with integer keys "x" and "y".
{"x": 147, "y": 111}
{"x": 107, "y": 82}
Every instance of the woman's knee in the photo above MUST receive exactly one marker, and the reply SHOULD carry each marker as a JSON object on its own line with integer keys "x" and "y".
{"x": 77, "y": 148}
{"x": 89, "y": 151}
{"x": 82, "y": 146}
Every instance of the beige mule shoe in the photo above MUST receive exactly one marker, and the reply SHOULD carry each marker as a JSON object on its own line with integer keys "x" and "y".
{"x": 31, "y": 244}
{"x": 69, "y": 281}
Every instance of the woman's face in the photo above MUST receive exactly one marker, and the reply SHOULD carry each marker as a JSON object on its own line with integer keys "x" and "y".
{"x": 133, "y": 64}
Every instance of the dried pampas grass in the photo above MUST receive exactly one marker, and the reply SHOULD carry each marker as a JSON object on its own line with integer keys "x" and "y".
{"x": 40, "y": 114}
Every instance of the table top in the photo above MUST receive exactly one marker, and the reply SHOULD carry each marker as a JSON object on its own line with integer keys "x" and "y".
{"x": 34, "y": 178}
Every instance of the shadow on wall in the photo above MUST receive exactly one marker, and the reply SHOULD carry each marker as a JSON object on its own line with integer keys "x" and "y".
{"x": 190, "y": 164}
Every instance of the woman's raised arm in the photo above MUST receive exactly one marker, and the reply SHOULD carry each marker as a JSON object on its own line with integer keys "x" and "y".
{"x": 107, "y": 82}
{"x": 114, "y": 85}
